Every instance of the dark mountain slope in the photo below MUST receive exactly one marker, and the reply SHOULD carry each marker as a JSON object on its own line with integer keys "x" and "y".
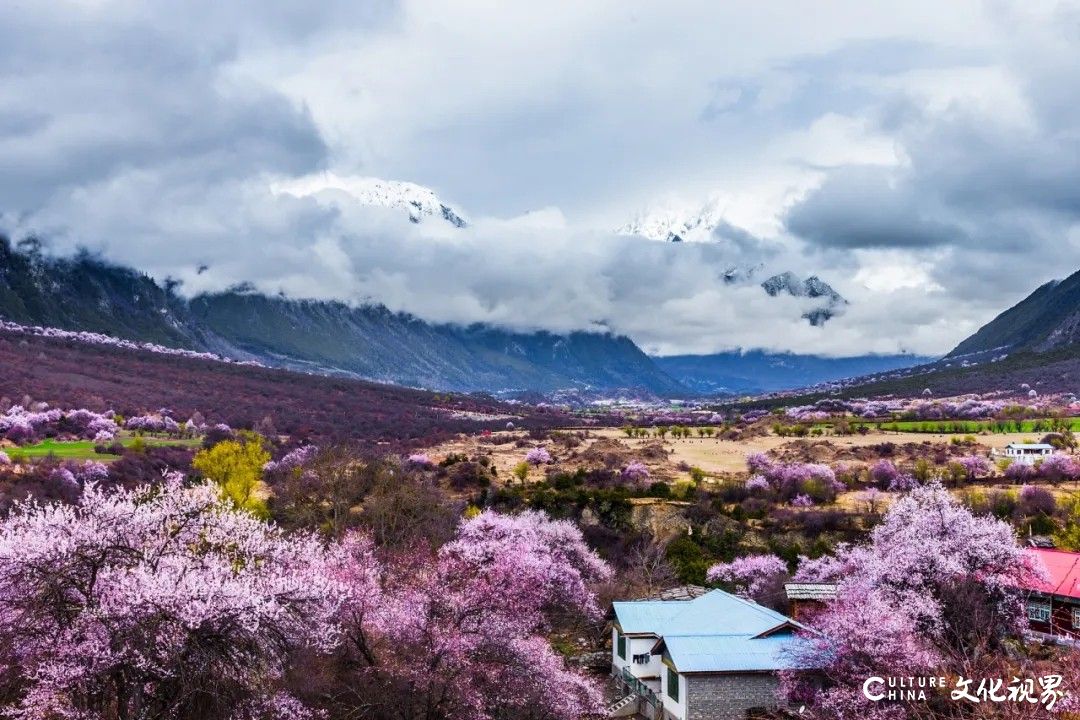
{"x": 1055, "y": 371}
{"x": 1047, "y": 319}
{"x": 84, "y": 293}
{"x": 1035, "y": 343}
{"x": 370, "y": 342}
{"x": 375, "y": 343}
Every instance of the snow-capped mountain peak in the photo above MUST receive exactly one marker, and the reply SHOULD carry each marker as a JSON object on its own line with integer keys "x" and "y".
{"x": 672, "y": 223}
{"x": 676, "y": 224}
{"x": 418, "y": 201}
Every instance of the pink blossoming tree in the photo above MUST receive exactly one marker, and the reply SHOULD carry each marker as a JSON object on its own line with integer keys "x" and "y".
{"x": 538, "y": 456}
{"x": 751, "y": 574}
{"x": 157, "y": 602}
{"x": 1059, "y": 468}
{"x": 165, "y": 602}
{"x": 475, "y": 614}
{"x": 935, "y": 586}
{"x": 883, "y": 473}
{"x": 975, "y": 466}
{"x": 635, "y": 472}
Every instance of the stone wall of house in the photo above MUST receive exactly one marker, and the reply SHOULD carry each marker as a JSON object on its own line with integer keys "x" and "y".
{"x": 728, "y": 697}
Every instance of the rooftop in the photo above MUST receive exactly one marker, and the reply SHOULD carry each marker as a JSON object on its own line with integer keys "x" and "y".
{"x": 714, "y": 613}
{"x": 810, "y": 591}
{"x": 1031, "y": 446}
{"x": 1064, "y": 570}
{"x": 716, "y": 632}
{"x": 730, "y": 653}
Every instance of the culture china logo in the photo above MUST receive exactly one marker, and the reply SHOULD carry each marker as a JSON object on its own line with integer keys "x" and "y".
{"x": 1045, "y": 690}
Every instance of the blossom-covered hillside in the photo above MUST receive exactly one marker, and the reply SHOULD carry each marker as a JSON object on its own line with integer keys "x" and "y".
{"x": 66, "y": 372}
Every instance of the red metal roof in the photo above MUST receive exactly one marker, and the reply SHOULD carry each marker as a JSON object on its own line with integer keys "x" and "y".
{"x": 1064, "y": 570}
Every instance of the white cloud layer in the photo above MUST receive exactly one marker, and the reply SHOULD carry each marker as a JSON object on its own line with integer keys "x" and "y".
{"x": 924, "y": 158}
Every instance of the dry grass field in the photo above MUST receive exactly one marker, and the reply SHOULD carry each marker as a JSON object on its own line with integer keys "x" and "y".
{"x": 714, "y": 456}
{"x": 670, "y": 459}
{"x": 725, "y": 456}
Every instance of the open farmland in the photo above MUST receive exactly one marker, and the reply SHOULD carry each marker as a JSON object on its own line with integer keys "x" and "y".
{"x": 714, "y": 455}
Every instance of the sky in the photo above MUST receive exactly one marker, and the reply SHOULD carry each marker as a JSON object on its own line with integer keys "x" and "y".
{"x": 923, "y": 158}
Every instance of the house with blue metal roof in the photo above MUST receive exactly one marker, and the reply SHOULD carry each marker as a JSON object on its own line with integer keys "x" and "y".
{"x": 711, "y": 657}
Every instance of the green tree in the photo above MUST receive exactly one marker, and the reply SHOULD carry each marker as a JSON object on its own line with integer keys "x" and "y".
{"x": 521, "y": 471}
{"x": 236, "y": 467}
{"x": 1069, "y": 535}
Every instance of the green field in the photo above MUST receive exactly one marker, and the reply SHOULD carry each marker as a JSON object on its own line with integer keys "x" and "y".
{"x": 974, "y": 427}
{"x": 84, "y": 449}
{"x": 1035, "y": 426}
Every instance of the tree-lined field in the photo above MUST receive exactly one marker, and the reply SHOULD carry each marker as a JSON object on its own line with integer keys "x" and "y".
{"x": 974, "y": 427}
{"x": 86, "y": 449}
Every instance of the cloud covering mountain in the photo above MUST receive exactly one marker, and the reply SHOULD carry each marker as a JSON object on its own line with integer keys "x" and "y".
{"x": 923, "y": 169}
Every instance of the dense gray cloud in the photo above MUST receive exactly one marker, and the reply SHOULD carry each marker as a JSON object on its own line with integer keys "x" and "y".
{"x": 859, "y": 207}
{"x": 740, "y": 238}
{"x": 990, "y": 176}
{"x": 916, "y": 166}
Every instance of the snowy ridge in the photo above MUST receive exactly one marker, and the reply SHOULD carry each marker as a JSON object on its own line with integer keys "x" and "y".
{"x": 418, "y": 201}
{"x": 677, "y": 224}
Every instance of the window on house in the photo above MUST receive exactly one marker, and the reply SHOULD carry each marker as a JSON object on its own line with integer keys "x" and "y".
{"x": 620, "y": 646}
{"x": 673, "y": 684}
{"x": 1076, "y": 617}
{"x": 1038, "y": 611}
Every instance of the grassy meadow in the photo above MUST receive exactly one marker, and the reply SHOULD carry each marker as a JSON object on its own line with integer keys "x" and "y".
{"x": 84, "y": 449}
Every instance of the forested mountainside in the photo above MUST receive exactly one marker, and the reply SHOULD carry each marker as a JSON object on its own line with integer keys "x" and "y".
{"x": 83, "y": 293}
{"x": 1033, "y": 343}
{"x": 370, "y": 342}
{"x": 1047, "y": 319}
{"x": 375, "y": 343}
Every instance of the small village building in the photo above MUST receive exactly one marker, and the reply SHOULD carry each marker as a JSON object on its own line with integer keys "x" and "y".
{"x": 1028, "y": 453}
{"x": 1053, "y": 607}
{"x": 712, "y": 657}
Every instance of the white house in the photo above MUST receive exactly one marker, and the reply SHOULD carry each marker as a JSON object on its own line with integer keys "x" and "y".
{"x": 1028, "y": 453}
{"x": 715, "y": 656}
